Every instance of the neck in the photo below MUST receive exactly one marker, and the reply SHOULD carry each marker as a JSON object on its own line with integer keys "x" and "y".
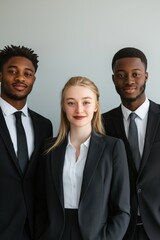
{"x": 18, "y": 104}
{"x": 133, "y": 105}
{"x": 79, "y": 135}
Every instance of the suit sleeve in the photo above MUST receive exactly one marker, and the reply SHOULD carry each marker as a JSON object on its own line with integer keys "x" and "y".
{"x": 119, "y": 196}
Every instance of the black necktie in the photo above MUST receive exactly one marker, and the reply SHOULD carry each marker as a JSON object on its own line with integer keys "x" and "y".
{"x": 133, "y": 140}
{"x": 22, "y": 152}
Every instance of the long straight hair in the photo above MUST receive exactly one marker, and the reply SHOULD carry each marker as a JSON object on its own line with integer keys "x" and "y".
{"x": 64, "y": 127}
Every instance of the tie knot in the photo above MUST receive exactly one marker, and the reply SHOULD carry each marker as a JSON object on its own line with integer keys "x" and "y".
{"x": 18, "y": 114}
{"x": 132, "y": 115}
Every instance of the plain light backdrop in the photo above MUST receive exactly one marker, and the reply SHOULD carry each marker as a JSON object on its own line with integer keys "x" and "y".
{"x": 80, "y": 37}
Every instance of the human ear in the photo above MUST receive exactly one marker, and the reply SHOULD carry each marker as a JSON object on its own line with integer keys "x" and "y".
{"x": 113, "y": 78}
{"x": 146, "y": 76}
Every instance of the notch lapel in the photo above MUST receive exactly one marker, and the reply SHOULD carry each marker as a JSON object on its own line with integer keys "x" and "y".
{"x": 8, "y": 142}
{"x": 152, "y": 125}
{"x": 57, "y": 162}
{"x": 37, "y": 136}
{"x": 94, "y": 155}
{"x": 118, "y": 125}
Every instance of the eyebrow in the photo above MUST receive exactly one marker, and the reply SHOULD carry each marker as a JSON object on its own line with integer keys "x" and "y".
{"x": 70, "y": 98}
{"x": 122, "y": 70}
{"x": 12, "y": 66}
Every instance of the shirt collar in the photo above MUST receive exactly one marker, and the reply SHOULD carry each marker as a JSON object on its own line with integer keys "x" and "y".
{"x": 86, "y": 143}
{"x": 141, "y": 111}
{"x": 8, "y": 109}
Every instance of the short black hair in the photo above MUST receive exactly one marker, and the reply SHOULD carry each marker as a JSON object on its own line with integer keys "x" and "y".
{"x": 15, "y": 51}
{"x": 129, "y": 52}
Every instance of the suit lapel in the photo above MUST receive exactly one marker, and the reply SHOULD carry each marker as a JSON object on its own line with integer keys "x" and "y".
{"x": 152, "y": 125}
{"x": 94, "y": 155}
{"x": 118, "y": 125}
{"x": 57, "y": 162}
{"x": 8, "y": 142}
{"x": 36, "y": 133}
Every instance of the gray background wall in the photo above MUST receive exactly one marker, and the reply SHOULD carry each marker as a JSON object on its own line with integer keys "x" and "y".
{"x": 80, "y": 37}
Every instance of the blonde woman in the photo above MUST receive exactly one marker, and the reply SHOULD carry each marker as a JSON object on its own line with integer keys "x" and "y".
{"x": 83, "y": 186}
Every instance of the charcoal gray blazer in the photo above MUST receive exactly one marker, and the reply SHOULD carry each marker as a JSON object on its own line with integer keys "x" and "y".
{"x": 104, "y": 208}
{"x": 145, "y": 184}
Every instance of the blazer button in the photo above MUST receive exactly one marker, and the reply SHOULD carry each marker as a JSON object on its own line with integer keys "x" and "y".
{"x": 139, "y": 190}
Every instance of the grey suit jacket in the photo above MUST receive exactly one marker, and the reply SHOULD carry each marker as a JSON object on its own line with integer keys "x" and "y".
{"x": 144, "y": 185}
{"x": 104, "y": 208}
{"x": 17, "y": 191}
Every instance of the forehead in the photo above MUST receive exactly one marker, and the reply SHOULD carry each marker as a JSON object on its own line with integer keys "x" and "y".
{"x": 129, "y": 63}
{"x": 78, "y": 92}
{"x": 19, "y": 62}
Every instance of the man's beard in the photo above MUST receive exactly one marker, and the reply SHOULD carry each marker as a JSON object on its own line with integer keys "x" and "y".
{"x": 12, "y": 96}
{"x": 129, "y": 100}
{"x": 15, "y": 97}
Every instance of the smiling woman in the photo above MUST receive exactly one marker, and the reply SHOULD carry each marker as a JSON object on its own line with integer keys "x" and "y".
{"x": 80, "y": 108}
{"x": 83, "y": 175}
{"x": 87, "y": 90}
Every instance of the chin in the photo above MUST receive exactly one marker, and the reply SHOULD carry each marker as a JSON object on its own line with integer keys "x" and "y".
{"x": 130, "y": 98}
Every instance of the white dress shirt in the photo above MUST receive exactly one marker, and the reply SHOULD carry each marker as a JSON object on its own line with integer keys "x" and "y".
{"x": 73, "y": 173}
{"x": 141, "y": 122}
{"x": 8, "y": 112}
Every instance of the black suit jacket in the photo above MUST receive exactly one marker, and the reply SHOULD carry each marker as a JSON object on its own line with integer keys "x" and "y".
{"x": 103, "y": 212}
{"x": 144, "y": 185}
{"x": 17, "y": 191}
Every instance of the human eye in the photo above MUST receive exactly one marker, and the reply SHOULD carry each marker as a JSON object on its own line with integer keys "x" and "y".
{"x": 136, "y": 75}
{"x": 70, "y": 103}
{"x": 12, "y": 72}
{"x": 85, "y": 103}
{"x": 120, "y": 75}
{"x": 28, "y": 74}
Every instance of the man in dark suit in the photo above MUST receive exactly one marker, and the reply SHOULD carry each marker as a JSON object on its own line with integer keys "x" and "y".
{"x": 18, "y": 66}
{"x": 129, "y": 76}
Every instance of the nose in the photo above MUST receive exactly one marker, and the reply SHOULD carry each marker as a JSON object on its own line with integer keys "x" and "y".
{"x": 130, "y": 79}
{"x": 20, "y": 77}
{"x": 79, "y": 108}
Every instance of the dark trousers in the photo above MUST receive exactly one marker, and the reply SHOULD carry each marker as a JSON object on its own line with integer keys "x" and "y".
{"x": 71, "y": 231}
{"x": 140, "y": 233}
{"x": 26, "y": 232}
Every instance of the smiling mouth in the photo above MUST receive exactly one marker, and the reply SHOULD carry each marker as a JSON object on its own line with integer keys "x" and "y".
{"x": 79, "y": 117}
{"x": 19, "y": 86}
{"x": 129, "y": 89}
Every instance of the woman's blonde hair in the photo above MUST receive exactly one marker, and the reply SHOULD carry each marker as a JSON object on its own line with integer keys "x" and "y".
{"x": 64, "y": 127}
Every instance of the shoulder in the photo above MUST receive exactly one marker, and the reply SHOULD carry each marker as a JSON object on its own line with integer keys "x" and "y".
{"x": 111, "y": 148}
{"x": 113, "y": 112}
{"x": 38, "y": 116}
{"x": 49, "y": 142}
{"x": 106, "y": 140}
{"x": 155, "y": 107}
